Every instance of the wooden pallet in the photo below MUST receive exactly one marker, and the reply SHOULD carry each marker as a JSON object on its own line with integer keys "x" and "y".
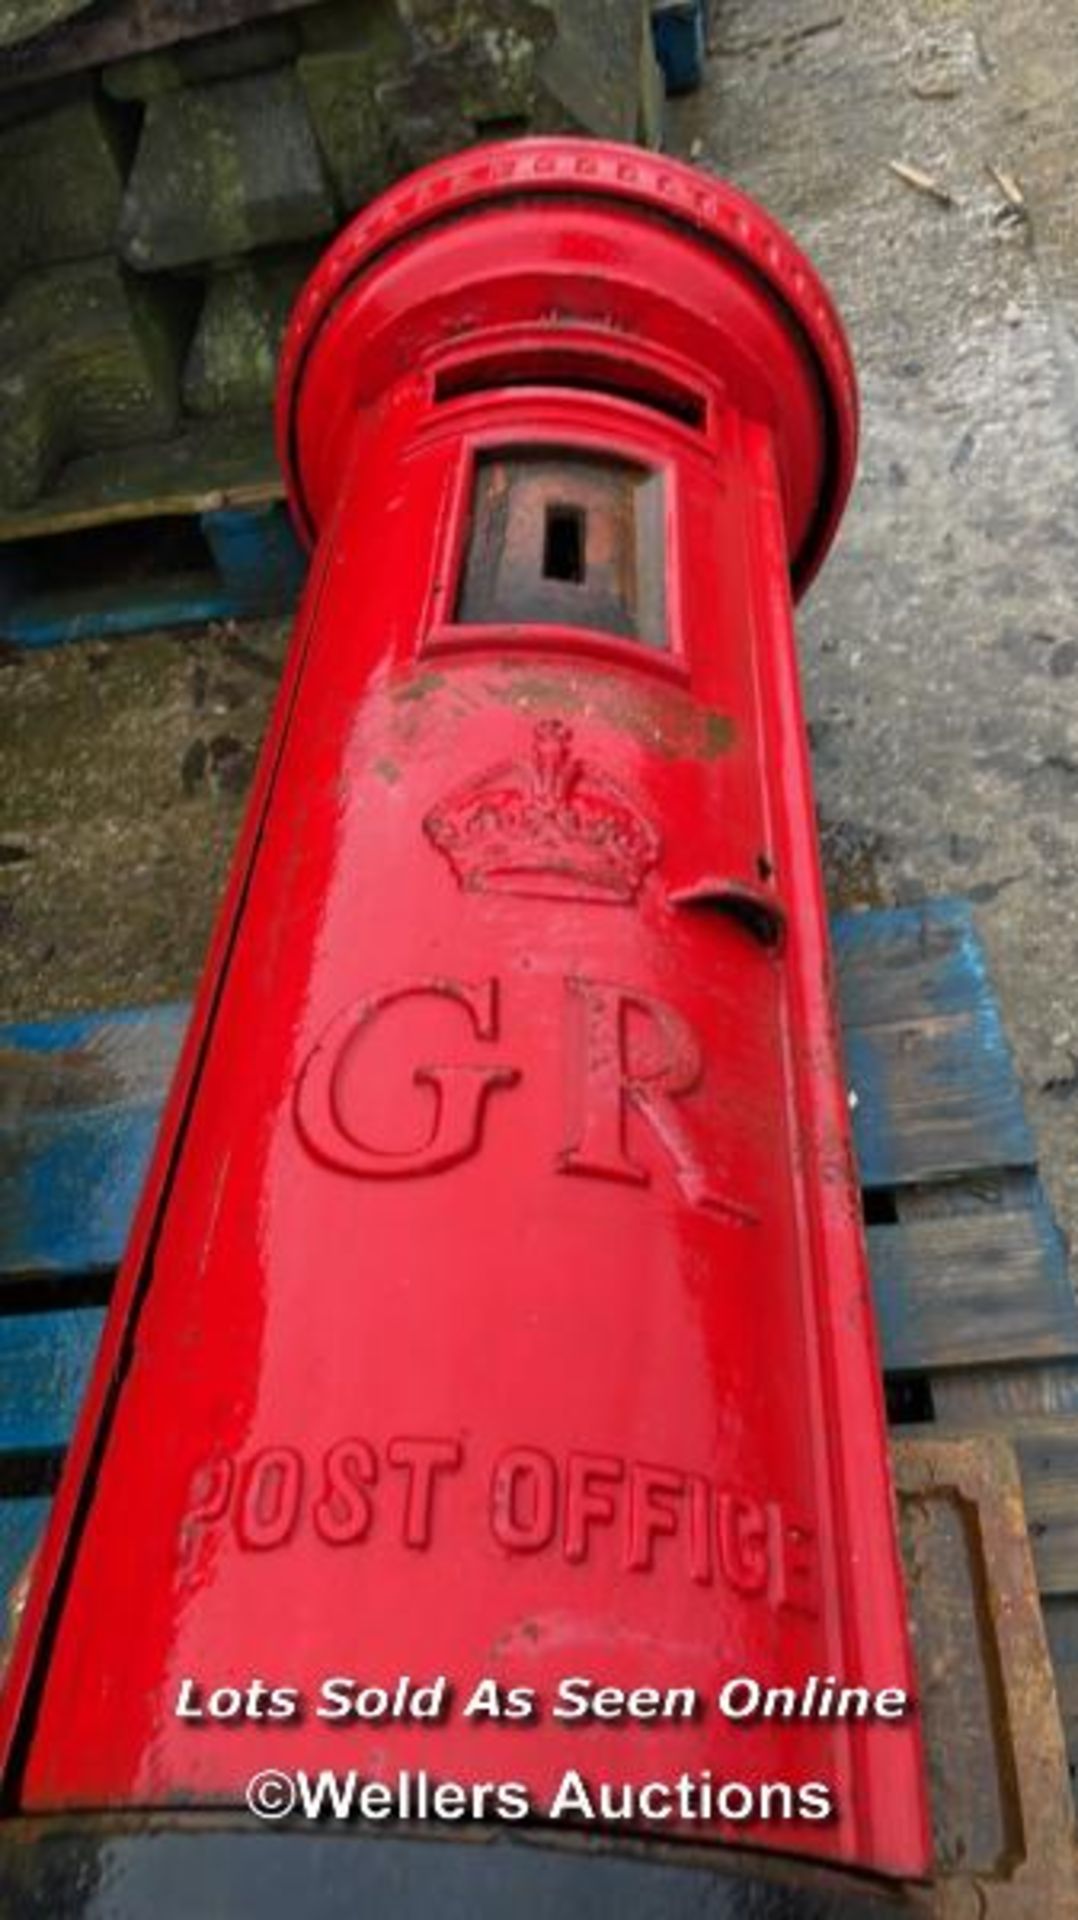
{"x": 978, "y": 1321}
{"x": 159, "y": 536}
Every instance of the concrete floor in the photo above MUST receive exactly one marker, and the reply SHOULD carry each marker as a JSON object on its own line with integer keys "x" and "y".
{"x": 940, "y": 645}
{"x": 123, "y": 772}
{"x": 941, "y": 642}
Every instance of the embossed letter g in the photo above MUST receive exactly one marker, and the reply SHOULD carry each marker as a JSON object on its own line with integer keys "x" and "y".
{"x": 460, "y": 1092}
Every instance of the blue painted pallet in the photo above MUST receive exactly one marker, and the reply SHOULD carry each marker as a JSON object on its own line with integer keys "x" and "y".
{"x": 82, "y": 1099}
{"x": 679, "y": 28}
{"x": 927, "y": 1057}
{"x": 21, "y": 1525}
{"x": 936, "y": 1101}
{"x": 254, "y": 565}
{"x": 45, "y": 1361}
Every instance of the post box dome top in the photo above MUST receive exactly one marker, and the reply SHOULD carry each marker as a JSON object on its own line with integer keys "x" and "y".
{"x": 760, "y": 317}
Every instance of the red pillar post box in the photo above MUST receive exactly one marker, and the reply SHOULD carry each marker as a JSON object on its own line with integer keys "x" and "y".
{"x": 498, "y": 1308}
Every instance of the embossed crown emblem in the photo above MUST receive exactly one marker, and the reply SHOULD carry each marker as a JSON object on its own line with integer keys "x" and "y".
{"x": 555, "y": 828}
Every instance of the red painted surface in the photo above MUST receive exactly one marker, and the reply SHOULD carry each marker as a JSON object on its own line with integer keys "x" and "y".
{"x": 499, "y": 1304}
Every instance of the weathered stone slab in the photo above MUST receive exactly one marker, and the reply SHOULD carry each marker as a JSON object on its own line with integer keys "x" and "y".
{"x": 29, "y": 103}
{"x": 352, "y": 132}
{"x": 493, "y": 67}
{"x": 651, "y": 123}
{"x": 342, "y": 87}
{"x": 88, "y": 359}
{"x": 443, "y": 25}
{"x": 476, "y": 70}
{"x": 25, "y": 19}
{"x": 352, "y": 52}
{"x": 443, "y": 101}
{"x": 344, "y": 26}
{"x": 232, "y": 363}
{"x": 590, "y": 74}
{"x": 221, "y": 56}
{"x": 118, "y": 29}
{"x": 222, "y": 169}
{"x": 62, "y": 186}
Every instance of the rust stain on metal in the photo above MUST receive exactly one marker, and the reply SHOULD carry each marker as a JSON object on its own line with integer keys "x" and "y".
{"x": 664, "y": 719}
{"x": 418, "y": 686}
{"x": 570, "y": 538}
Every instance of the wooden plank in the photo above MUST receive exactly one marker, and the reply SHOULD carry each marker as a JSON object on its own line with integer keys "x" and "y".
{"x": 81, "y": 1103}
{"x": 927, "y": 1060}
{"x": 933, "y": 1103}
{"x": 258, "y": 555}
{"x": 259, "y": 570}
{"x": 69, "y": 615}
{"x": 1047, "y": 1452}
{"x": 1001, "y": 1396}
{"x": 45, "y": 1361}
{"x": 970, "y": 1290}
{"x": 209, "y": 465}
{"x": 1061, "y": 1627}
{"x": 22, "y": 1522}
{"x": 901, "y": 963}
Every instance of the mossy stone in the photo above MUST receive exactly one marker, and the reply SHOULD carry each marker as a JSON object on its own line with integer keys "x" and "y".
{"x": 89, "y": 358}
{"x": 485, "y": 68}
{"x": 591, "y": 73}
{"x": 353, "y": 53}
{"x": 232, "y": 364}
{"x": 220, "y": 56}
{"x": 63, "y": 185}
{"x": 222, "y": 169}
{"x": 23, "y": 19}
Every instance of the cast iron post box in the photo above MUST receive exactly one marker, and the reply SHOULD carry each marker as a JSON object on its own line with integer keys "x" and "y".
{"x": 498, "y": 1307}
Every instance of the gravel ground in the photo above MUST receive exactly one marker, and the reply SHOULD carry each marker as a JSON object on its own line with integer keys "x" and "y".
{"x": 123, "y": 770}
{"x": 941, "y": 641}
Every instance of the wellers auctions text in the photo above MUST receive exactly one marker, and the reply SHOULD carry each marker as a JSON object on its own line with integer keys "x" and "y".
{"x": 577, "y": 1799}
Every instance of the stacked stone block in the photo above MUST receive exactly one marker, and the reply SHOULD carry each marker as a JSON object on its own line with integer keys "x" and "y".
{"x": 88, "y": 360}
{"x": 63, "y": 176}
{"x": 21, "y": 20}
{"x": 232, "y": 364}
{"x": 221, "y": 170}
{"x": 187, "y": 187}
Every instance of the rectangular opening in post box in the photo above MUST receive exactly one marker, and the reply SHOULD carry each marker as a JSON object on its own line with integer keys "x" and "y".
{"x": 561, "y": 537}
